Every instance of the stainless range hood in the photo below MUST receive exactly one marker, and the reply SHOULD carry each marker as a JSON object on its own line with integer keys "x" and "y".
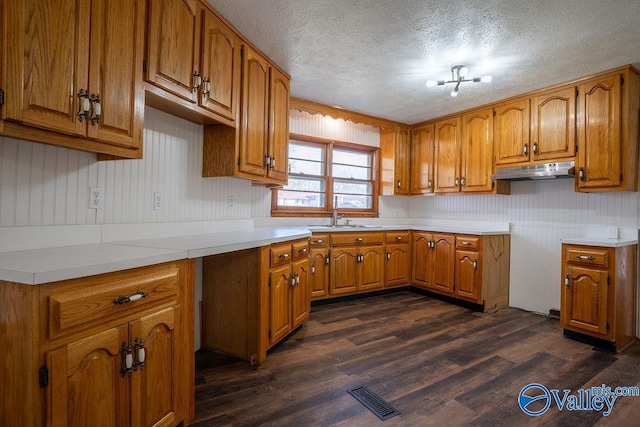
{"x": 537, "y": 171}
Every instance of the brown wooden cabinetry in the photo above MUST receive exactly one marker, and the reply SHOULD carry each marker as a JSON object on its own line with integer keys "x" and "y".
{"x": 395, "y": 154}
{"x": 72, "y": 74}
{"x": 356, "y": 262}
{"x": 607, "y": 132}
{"x": 599, "y": 292}
{"x": 468, "y": 269}
{"x": 422, "y": 159}
{"x": 511, "y": 132}
{"x": 126, "y": 337}
{"x": 447, "y": 155}
{"x": 433, "y": 266}
{"x": 255, "y": 297}
{"x": 553, "y": 125}
{"x": 319, "y": 266}
{"x": 398, "y": 259}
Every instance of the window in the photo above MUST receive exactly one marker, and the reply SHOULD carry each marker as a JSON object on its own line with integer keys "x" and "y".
{"x": 327, "y": 174}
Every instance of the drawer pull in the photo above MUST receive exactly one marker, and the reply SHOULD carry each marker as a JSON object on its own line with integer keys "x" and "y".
{"x": 465, "y": 243}
{"x": 127, "y": 360}
{"x": 399, "y": 238}
{"x": 318, "y": 241}
{"x": 302, "y": 250}
{"x": 283, "y": 256}
{"x": 141, "y": 354}
{"x": 122, "y": 299}
{"x": 359, "y": 239}
{"x": 588, "y": 258}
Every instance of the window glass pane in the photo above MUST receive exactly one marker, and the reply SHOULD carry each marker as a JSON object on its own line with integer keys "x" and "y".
{"x": 347, "y": 187}
{"x": 354, "y": 172}
{"x": 300, "y": 199}
{"x": 305, "y": 167}
{"x": 307, "y": 152}
{"x": 350, "y": 201}
{"x": 304, "y": 184}
{"x": 355, "y": 158}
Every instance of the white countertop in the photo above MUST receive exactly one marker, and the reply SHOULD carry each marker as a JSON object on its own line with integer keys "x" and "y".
{"x": 475, "y": 230}
{"x": 599, "y": 241}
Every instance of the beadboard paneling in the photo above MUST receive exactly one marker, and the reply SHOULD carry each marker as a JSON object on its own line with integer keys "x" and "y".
{"x": 320, "y": 126}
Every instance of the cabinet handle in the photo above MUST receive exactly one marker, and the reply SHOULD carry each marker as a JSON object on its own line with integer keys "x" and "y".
{"x": 123, "y": 299}
{"x": 267, "y": 160}
{"x": 283, "y": 256}
{"x": 96, "y": 109}
{"x": 206, "y": 87}
{"x": 399, "y": 238}
{"x": 399, "y": 184}
{"x": 463, "y": 182}
{"x": 588, "y": 258}
{"x": 475, "y": 264}
{"x": 302, "y": 250}
{"x": 535, "y": 148}
{"x": 292, "y": 280}
{"x": 465, "y": 243}
{"x": 127, "y": 359}
{"x": 297, "y": 279}
{"x": 581, "y": 174}
{"x": 326, "y": 260}
{"x": 272, "y": 163}
{"x": 525, "y": 150}
{"x": 197, "y": 81}
{"x": 430, "y": 183}
{"x": 456, "y": 182}
{"x": 433, "y": 244}
{"x": 567, "y": 281}
{"x": 83, "y": 105}
{"x": 138, "y": 348}
{"x": 317, "y": 241}
{"x": 388, "y": 256}
{"x": 313, "y": 270}
{"x": 359, "y": 239}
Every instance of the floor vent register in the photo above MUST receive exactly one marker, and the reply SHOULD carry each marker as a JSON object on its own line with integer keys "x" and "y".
{"x": 373, "y": 402}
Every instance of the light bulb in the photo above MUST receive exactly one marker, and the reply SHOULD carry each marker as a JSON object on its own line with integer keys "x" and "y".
{"x": 454, "y": 92}
{"x": 486, "y": 79}
{"x": 463, "y": 71}
{"x": 431, "y": 83}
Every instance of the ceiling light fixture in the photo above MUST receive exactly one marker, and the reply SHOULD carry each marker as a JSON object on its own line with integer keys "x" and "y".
{"x": 458, "y": 73}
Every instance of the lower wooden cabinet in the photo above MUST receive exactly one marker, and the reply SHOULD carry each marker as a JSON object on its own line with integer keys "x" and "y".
{"x": 112, "y": 349}
{"x": 356, "y": 262}
{"x": 471, "y": 268}
{"x": 599, "y": 292}
{"x": 319, "y": 273}
{"x": 398, "y": 259}
{"x": 254, "y": 298}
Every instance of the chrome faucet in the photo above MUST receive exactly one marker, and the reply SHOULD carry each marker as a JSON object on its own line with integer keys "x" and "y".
{"x": 335, "y": 218}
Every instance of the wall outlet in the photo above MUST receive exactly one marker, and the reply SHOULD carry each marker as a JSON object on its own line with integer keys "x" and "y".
{"x": 158, "y": 201}
{"x": 96, "y": 198}
{"x": 230, "y": 202}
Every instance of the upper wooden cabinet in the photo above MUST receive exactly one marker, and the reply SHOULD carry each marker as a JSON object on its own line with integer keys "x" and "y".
{"x": 192, "y": 62}
{"x": 395, "y": 151}
{"x": 447, "y": 155}
{"x": 422, "y": 159}
{"x": 607, "y": 132}
{"x": 511, "y": 132}
{"x": 72, "y": 74}
{"x": 257, "y": 150}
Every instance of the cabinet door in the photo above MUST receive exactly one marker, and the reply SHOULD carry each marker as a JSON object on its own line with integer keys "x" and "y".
{"x": 171, "y": 46}
{"x": 422, "y": 265}
{"x": 511, "y": 132}
{"x": 300, "y": 294}
{"x": 278, "y": 126}
{"x": 154, "y": 384}
{"x": 553, "y": 125}
{"x": 220, "y": 63}
{"x": 397, "y": 264}
{"x": 371, "y": 268}
{"x": 422, "y": 159}
{"x": 401, "y": 161}
{"x": 443, "y": 263}
{"x": 116, "y": 34}
{"x": 468, "y": 276}
{"x": 254, "y": 128}
{"x": 343, "y": 271}
{"x": 599, "y": 133}
{"x": 86, "y": 387}
{"x": 447, "y": 146}
{"x": 319, "y": 273}
{"x": 584, "y": 304}
{"x": 279, "y": 303}
{"x": 47, "y": 63}
{"x": 476, "y": 151}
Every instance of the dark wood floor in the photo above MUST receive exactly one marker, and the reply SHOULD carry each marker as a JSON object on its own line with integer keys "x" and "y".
{"x": 437, "y": 363}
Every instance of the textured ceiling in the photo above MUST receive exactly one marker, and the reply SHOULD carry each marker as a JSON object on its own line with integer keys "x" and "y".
{"x": 375, "y": 56}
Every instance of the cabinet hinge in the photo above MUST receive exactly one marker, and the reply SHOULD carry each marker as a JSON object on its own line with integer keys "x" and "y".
{"x": 493, "y": 185}
{"x": 577, "y": 92}
{"x": 238, "y": 161}
{"x": 43, "y": 376}
{"x": 144, "y": 65}
{"x": 621, "y": 177}
{"x": 494, "y": 113}
{"x": 1, "y": 97}
{"x": 608, "y": 280}
{"x": 621, "y": 80}
{"x": 607, "y": 326}
{"x": 269, "y": 335}
{"x": 576, "y": 148}
{"x": 269, "y": 281}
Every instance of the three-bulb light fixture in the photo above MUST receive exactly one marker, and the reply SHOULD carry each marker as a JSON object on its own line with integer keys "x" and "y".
{"x": 458, "y": 73}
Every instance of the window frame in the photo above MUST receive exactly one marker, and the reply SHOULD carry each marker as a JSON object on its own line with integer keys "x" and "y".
{"x": 327, "y": 211}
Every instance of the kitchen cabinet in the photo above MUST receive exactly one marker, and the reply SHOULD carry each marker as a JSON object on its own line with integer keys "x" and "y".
{"x": 319, "y": 266}
{"x": 395, "y": 147}
{"x": 192, "y": 62}
{"x": 125, "y": 336}
{"x": 511, "y": 132}
{"x": 356, "y": 262}
{"x": 257, "y": 150}
{"x": 471, "y": 268}
{"x": 254, "y": 298}
{"x": 607, "y": 132}
{"x": 398, "y": 259}
{"x": 447, "y": 154}
{"x": 72, "y": 74}
{"x": 422, "y": 159}
{"x": 599, "y": 292}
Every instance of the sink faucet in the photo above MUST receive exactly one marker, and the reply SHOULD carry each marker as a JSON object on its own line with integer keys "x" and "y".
{"x": 335, "y": 218}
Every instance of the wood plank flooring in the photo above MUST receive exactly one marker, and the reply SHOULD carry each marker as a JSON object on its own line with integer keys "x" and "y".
{"x": 436, "y": 362}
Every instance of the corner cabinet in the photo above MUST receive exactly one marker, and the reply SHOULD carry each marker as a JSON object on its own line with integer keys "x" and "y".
{"x": 395, "y": 154}
{"x": 257, "y": 149}
{"x": 72, "y": 74}
{"x": 422, "y": 159}
{"x": 607, "y": 132}
{"x": 599, "y": 292}
{"x": 126, "y": 337}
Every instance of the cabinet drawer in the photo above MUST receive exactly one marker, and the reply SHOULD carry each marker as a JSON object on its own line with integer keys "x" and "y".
{"x": 319, "y": 240}
{"x": 397, "y": 237}
{"x": 110, "y": 296}
{"x": 586, "y": 255}
{"x": 468, "y": 242}
{"x": 280, "y": 254}
{"x": 350, "y": 239}
{"x": 300, "y": 249}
